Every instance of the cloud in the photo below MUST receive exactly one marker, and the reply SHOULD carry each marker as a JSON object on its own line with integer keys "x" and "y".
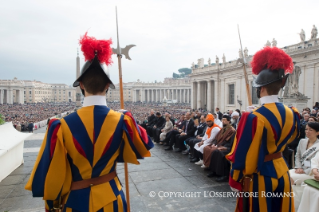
{"x": 39, "y": 40}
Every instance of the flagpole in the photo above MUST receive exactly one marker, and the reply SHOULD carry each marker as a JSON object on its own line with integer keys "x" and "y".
{"x": 245, "y": 72}
{"x": 119, "y": 57}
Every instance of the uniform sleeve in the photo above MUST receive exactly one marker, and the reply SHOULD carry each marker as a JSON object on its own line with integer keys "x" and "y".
{"x": 244, "y": 154}
{"x": 136, "y": 143}
{"x": 49, "y": 175}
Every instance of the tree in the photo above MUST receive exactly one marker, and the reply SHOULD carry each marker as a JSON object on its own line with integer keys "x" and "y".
{"x": 1, "y": 119}
{"x": 183, "y": 72}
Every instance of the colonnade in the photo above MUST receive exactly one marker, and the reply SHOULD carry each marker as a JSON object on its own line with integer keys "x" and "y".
{"x": 11, "y": 95}
{"x": 181, "y": 95}
{"x": 204, "y": 94}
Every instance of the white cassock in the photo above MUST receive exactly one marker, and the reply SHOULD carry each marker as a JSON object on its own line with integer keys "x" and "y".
{"x": 218, "y": 122}
{"x": 207, "y": 141}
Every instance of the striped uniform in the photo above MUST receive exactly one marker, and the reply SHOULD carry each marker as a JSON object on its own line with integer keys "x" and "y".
{"x": 84, "y": 145}
{"x": 265, "y": 131}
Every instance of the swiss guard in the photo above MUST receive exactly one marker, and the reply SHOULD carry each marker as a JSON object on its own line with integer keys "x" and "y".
{"x": 76, "y": 166}
{"x": 259, "y": 171}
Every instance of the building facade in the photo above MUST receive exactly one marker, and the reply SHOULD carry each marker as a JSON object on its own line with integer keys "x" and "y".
{"x": 174, "y": 90}
{"x": 26, "y": 91}
{"x": 113, "y": 95}
{"x": 223, "y": 84}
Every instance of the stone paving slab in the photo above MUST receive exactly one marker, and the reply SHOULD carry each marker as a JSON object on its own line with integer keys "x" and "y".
{"x": 165, "y": 171}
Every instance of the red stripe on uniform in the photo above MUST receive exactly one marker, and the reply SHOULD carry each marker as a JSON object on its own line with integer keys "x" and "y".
{"x": 53, "y": 140}
{"x": 78, "y": 147}
{"x": 107, "y": 145}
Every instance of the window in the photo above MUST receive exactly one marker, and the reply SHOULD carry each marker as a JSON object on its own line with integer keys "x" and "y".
{"x": 30, "y": 92}
{"x": 254, "y": 97}
{"x": 231, "y": 94}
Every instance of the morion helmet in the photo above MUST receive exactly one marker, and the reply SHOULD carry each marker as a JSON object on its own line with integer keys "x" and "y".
{"x": 271, "y": 64}
{"x": 97, "y": 54}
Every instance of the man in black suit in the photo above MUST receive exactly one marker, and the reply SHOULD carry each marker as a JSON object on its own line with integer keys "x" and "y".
{"x": 150, "y": 120}
{"x": 151, "y": 124}
{"x": 199, "y": 133}
{"x": 159, "y": 125}
{"x": 156, "y": 130}
{"x": 219, "y": 114}
{"x": 189, "y": 131}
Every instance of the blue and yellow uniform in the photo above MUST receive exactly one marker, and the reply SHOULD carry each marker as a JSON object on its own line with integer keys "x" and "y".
{"x": 265, "y": 131}
{"x": 84, "y": 145}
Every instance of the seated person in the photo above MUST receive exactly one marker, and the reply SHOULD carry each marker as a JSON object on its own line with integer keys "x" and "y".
{"x": 178, "y": 139}
{"x": 221, "y": 139}
{"x": 152, "y": 123}
{"x": 178, "y": 128}
{"x": 168, "y": 127}
{"x": 210, "y": 134}
{"x": 157, "y": 129}
{"x": 198, "y": 135}
{"x": 306, "y": 150}
{"x": 217, "y": 121}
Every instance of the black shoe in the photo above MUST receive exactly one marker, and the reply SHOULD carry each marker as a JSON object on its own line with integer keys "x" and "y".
{"x": 194, "y": 160}
{"x": 169, "y": 148}
{"x": 222, "y": 179}
{"x": 185, "y": 152}
{"x": 212, "y": 174}
{"x": 177, "y": 150}
{"x": 166, "y": 144}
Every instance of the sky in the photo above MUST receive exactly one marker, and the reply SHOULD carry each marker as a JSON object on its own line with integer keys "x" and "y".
{"x": 39, "y": 39}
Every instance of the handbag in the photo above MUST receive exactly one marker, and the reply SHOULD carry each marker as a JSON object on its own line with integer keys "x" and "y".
{"x": 312, "y": 183}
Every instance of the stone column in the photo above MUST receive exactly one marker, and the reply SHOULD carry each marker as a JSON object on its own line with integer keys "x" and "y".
{"x": 193, "y": 96}
{"x": 199, "y": 105}
{"x": 21, "y": 96}
{"x": 161, "y": 96}
{"x": 10, "y": 96}
{"x": 185, "y": 93}
{"x": 209, "y": 96}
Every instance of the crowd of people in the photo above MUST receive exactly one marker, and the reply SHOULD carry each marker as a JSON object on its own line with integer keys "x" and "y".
{"x": 208, "y": 137}
{"x": 23, "y": 115}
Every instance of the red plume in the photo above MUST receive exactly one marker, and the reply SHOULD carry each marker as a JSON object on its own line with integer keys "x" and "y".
{"x": 90, "y": 45}
{"x": 271, "y": 58}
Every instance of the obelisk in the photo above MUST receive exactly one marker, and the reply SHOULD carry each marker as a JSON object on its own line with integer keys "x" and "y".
{"x": 78, "y": 90}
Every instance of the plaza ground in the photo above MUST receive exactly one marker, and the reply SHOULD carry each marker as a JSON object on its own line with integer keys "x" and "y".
{"x": 167, "y": 181}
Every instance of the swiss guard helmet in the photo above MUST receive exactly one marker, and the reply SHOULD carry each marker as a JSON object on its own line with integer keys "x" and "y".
{"x": 97, "y": 54}
{"x": 271, "y": 64}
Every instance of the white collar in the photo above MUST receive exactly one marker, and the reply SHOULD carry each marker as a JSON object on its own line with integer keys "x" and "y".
{"x": 269, "y": 99}
{"x": 94, "y": 100}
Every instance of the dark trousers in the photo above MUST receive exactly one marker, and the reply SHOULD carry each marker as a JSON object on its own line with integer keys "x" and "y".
{"x": 156, "y": 134}
{"x": 198, "y": 154}
{"x": 180, "y": 141}
{"x": 149, "y": 131}
{"x": 172, "y": 140}
{"x": 168, "y": 137}
{"x": 219, "y": 164}
{"x": 191, "y": 143}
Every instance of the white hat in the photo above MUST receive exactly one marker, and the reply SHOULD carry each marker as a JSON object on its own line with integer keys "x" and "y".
{"x": 234, "y": 114}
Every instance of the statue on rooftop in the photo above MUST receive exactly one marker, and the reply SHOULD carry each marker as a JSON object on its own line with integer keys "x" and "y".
{"x": 274, "y": 42}
{"x": 314, "y": 32}
{"x": 302, "y": 35}
{"x": 246, "y": 52}
{"x": 268, "y": 43}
